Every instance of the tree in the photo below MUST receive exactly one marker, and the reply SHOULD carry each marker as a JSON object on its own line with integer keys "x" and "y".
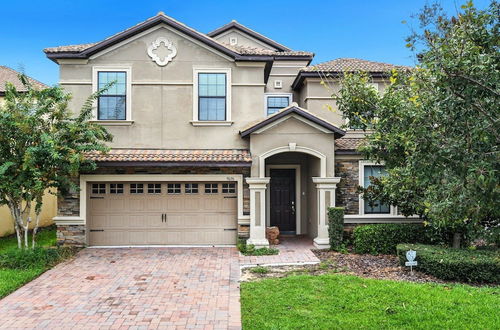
{"x": 436, "y": 127}
{"x": 42, "y": 147}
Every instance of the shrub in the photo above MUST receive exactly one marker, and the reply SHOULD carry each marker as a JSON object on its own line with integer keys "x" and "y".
{"x": 250, "y": 250}
{"x": 259, "y": 270}
{"x": 383, "y": 238}
{"x": 465, "y": 265}
{"x": 33, "y": 258}
{"x": 336, "y": 227}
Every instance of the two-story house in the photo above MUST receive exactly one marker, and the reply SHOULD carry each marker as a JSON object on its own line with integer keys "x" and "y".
{"x": 216, "y": 136}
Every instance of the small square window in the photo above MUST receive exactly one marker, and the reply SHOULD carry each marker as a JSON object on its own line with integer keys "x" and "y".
{"x": 154, "y": 188}
{"x": 191, "y": 188}
{"x": 233, "y": 41}
{"x": 136, "y": 188}
{"x": 116, "y": 188}
{"x": 211, "y": 188}
{"x": 228, "y": 188}
{"x": 174, "y": 188}
{"x": 98, "y": 188}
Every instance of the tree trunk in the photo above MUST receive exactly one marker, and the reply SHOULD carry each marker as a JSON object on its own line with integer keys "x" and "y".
{"x": 457, "y": 238}
{"x": 35, "y": 229}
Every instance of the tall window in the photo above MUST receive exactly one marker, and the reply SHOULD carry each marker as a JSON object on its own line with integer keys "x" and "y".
{"x": 276, "y": 103}
{"x": 375, "y": 171}
{"x": 111, "y": 104}
{"x": 212, "y": 96}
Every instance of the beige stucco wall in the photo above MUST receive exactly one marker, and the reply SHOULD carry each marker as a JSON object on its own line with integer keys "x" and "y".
{"x": 243, "y": 39}
{"x": 162, "y": 97}
{"x": 49, "y": 211}
{"x": 292, "y": 131}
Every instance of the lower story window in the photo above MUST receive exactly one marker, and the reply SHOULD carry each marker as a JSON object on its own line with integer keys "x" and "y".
{"x": 211, "y": 188}
{"x": 154, "y": 188}
{"x": 191, "y": 188}
{"x": 174, "y": 188}
{"x": 374, "y": 171}
{"x": 228, "y": 188}
{"x": 98, "y": 188}
{"x": 116, "y": 188}
{"x": 136, "y": 188}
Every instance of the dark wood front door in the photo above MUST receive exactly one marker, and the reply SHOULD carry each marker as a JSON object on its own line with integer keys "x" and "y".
{"x": 283, "y": 203}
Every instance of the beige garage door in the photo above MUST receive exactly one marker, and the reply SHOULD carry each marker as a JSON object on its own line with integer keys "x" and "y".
{"x": 145, "y": 213}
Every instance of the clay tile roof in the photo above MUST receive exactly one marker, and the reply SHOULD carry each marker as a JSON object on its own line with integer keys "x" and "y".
{"x": 9, "y": 75}
{"x": 85, "y": 49}
{"x": 351, "y": 65}
{"x": 247, "y": 50}
{"x": 348, "y": 144}
{"x": 173, "y": 155}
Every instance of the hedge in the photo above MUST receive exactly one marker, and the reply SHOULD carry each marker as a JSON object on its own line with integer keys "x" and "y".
{"x": 383, "y": 238}
{"x": 335, "y": 227}
{"x": 476, "y": 266}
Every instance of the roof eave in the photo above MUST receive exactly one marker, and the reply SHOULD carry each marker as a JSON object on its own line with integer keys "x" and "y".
{"x": 138, "y": 29}
{"x": 302, "y": 75}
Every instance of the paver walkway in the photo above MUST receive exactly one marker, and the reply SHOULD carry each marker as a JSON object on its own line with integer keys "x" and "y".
{"x": 293, "y": 250}
{"x": 138, "y": 288}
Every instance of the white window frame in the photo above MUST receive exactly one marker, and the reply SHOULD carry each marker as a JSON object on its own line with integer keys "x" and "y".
{"x": 267, "y": 95}
{"x": 392, "y": 210}
{"x": 128, "y": 98}
{"x": 196, "y": 121}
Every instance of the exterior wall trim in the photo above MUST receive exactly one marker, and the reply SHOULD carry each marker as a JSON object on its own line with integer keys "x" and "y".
{"x": 298, "y": 219}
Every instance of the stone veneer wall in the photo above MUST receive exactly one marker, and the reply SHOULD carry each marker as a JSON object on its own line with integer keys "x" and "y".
{"x": 69, "y": 204}
{"x": 346, "y": 195}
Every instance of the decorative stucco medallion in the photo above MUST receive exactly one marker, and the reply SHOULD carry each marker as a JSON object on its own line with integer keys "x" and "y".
{"x": 154, "y": 46}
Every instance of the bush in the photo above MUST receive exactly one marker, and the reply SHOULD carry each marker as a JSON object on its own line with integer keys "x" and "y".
{"x": 465, "y": 265}
{"x": 336, "y": 227}
{"x": 250, "y": 250}
{"x": 33, "y": 258}
{"x": 259, "y": 270}
{"x": 383, "y": 238}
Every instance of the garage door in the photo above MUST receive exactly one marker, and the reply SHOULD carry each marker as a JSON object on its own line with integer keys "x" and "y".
{"x": 146, "y": 213}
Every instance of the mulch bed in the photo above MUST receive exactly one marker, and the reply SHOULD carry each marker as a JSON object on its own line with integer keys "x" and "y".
{"x": 364, "y": 265}
{"x": 380, "y": 266}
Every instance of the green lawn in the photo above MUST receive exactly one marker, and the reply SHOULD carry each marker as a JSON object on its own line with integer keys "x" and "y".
{"x": 11, "y": 279}
{"x": 349, "y": 302}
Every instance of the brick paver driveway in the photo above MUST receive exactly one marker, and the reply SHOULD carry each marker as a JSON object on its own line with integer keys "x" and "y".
{"x": 134, "y": 288}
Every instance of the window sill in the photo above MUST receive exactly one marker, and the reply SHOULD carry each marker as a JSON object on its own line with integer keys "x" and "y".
{"x": 113, "y": 122}
{"x": 211, "y": 123}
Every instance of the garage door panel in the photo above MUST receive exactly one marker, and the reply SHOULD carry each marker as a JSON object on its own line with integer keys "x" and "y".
{"x": 136, "y": 218}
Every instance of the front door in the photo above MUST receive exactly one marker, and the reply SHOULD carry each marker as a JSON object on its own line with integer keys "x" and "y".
{"x": 282, "y": 200}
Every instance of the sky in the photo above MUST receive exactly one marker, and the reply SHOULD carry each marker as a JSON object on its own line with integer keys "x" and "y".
{"x": 367, "y": 29}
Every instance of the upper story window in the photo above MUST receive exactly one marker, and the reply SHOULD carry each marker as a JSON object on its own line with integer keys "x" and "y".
{"x": 114, "y": 103}
{"x": 374, "y": 171}
{"x": 276, "y": 102}
{"x": 212, "y": 97}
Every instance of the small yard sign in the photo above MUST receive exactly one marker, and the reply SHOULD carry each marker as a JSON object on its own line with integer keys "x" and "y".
{"x": 410, "y": 256}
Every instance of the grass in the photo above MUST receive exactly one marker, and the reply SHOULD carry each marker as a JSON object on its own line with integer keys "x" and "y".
{"x": 12, "y": 279}
{"x": 44, "y": 238}
{"x": 349, "y": 302}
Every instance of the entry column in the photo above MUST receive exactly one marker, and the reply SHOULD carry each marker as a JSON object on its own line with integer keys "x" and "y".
{"x": 325, "y": 188}
{"x": 258, "y": 211}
